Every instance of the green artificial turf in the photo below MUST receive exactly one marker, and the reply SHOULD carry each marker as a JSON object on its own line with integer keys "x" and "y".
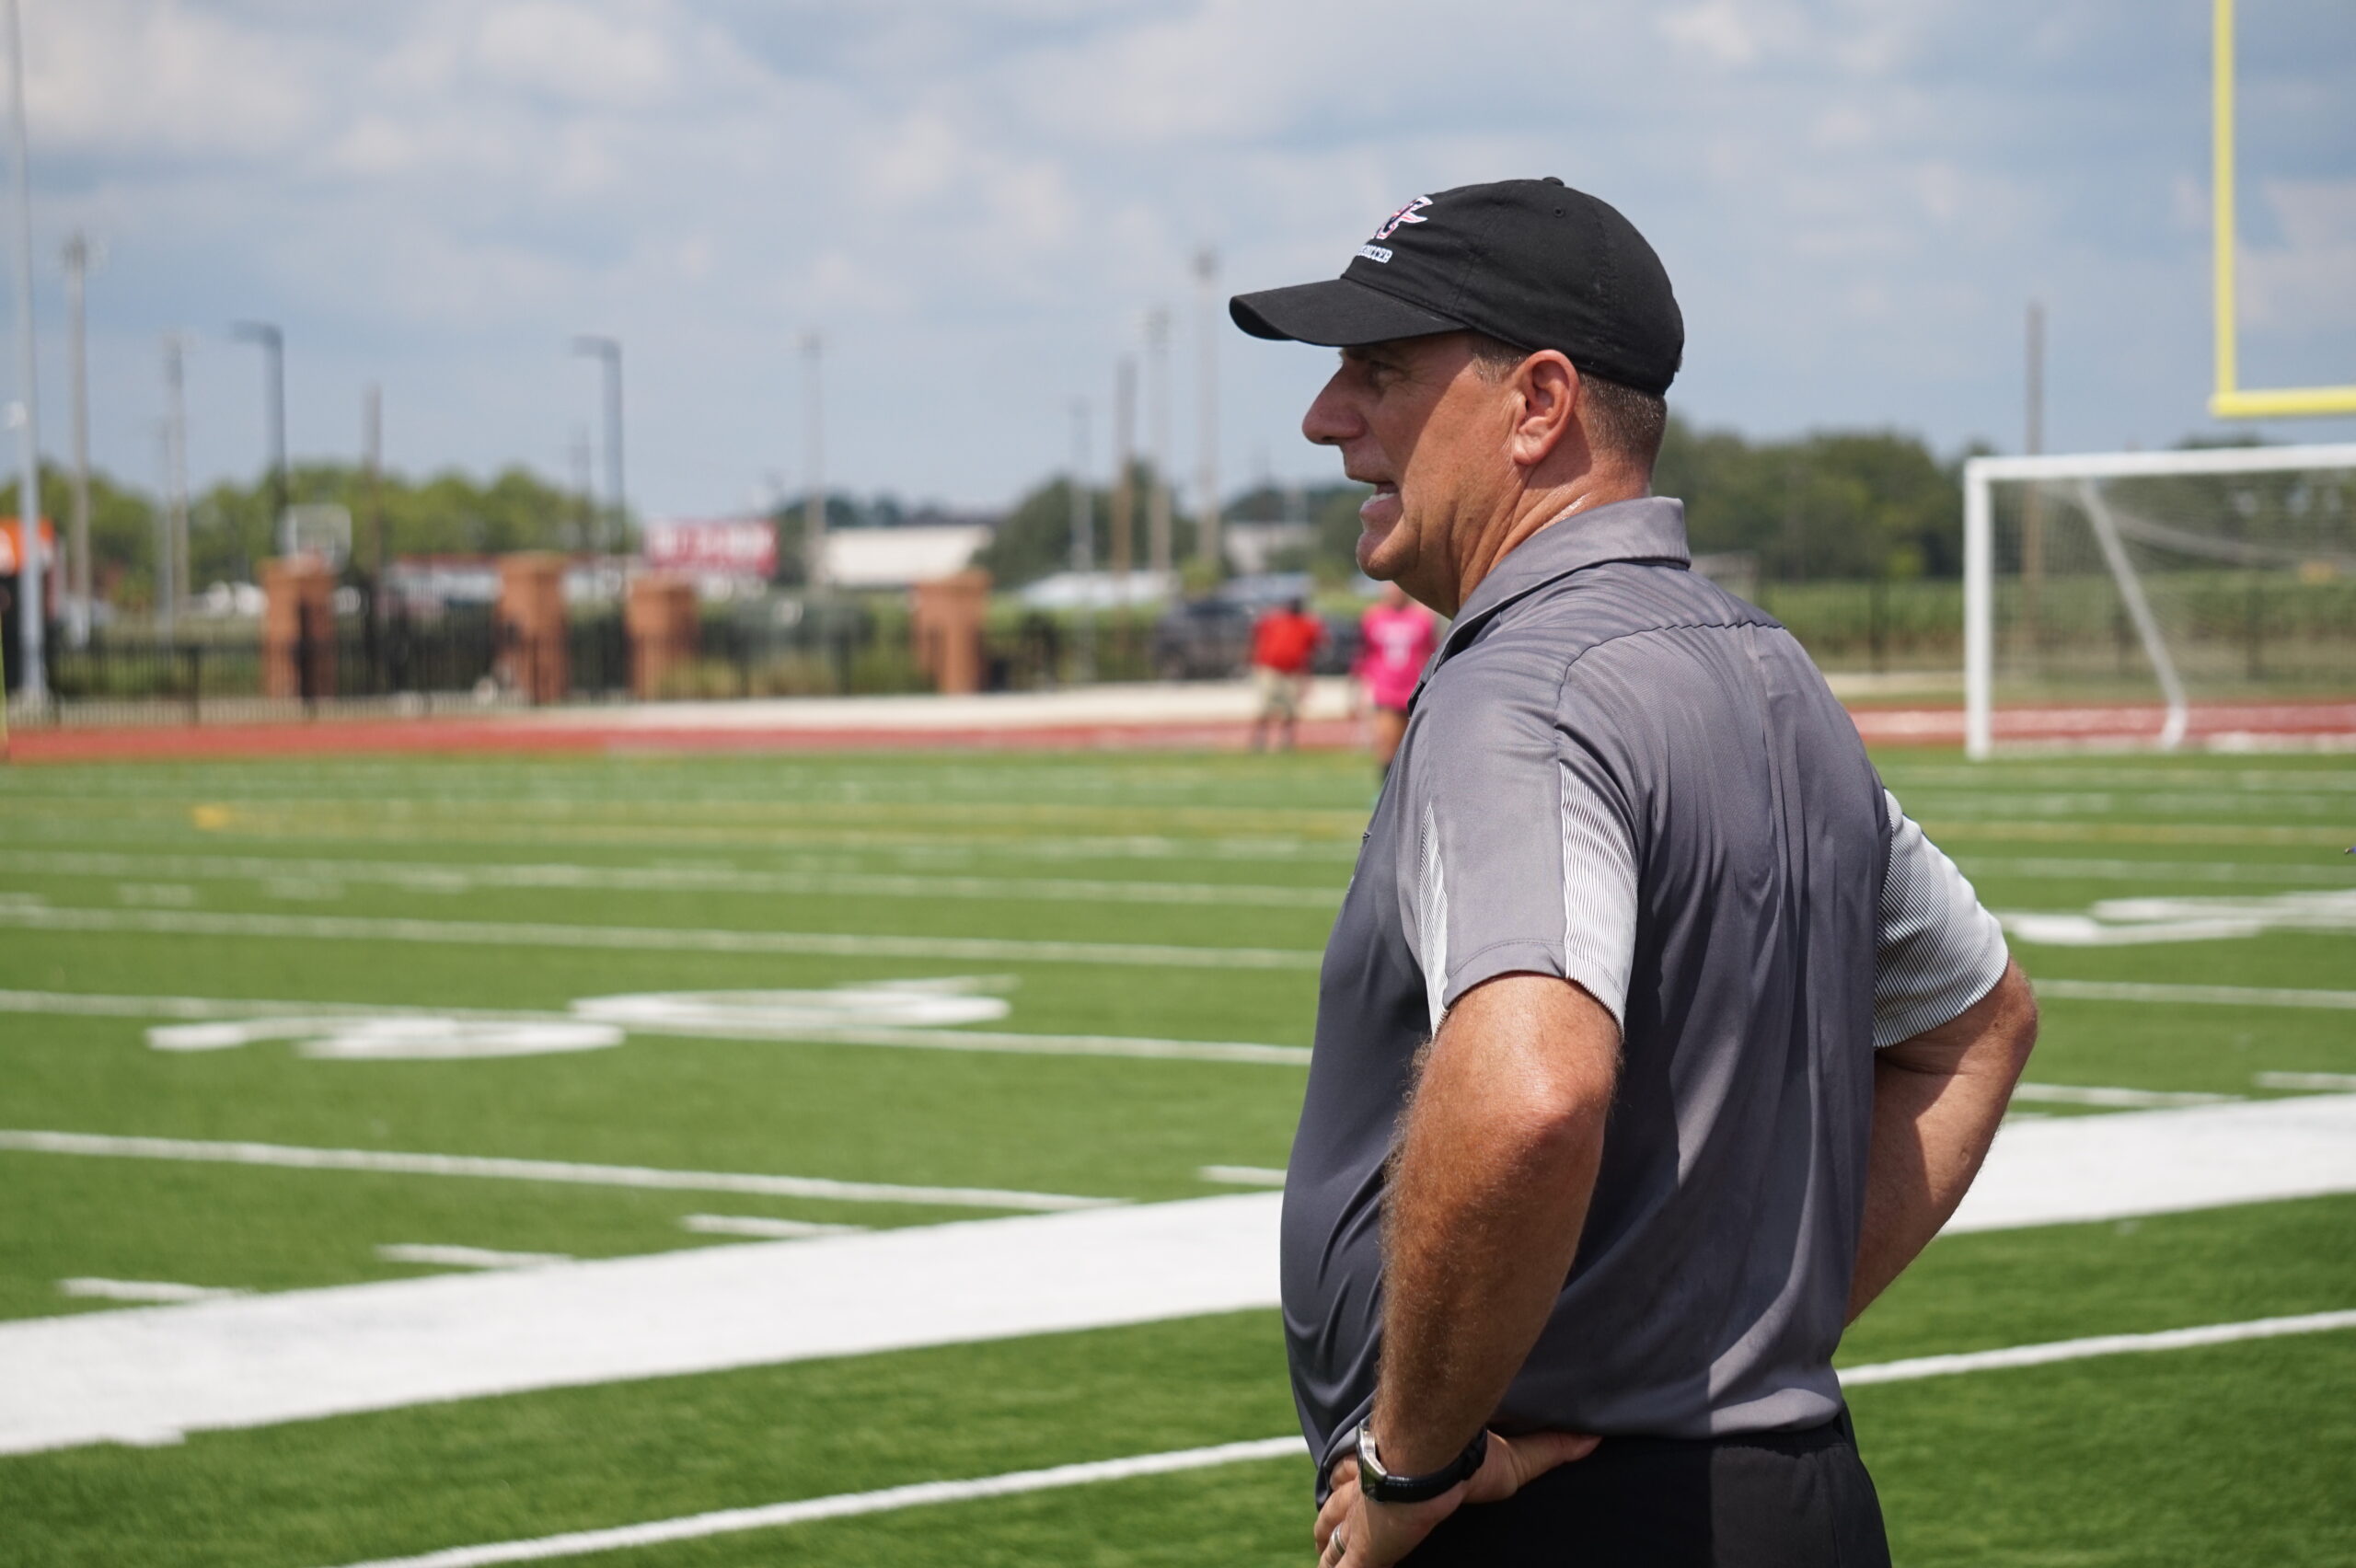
{"x": 2233, "y": 1453}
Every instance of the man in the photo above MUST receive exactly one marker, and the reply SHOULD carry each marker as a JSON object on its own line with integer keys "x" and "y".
{"x": 1653, "y": 1040}
{"x": 1396, "y": 637}
{"x": 1284, "y": 644}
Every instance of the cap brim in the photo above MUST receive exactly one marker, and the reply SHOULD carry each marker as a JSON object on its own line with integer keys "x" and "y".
{"x": 1337, "y": 312}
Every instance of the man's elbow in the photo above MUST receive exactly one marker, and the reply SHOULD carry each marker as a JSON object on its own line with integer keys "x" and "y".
{"x": 1559, "y": 1123}
{"x": 2014, "y": 1033}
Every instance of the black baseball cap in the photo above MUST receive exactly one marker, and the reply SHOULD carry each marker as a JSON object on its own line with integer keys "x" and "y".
{"x": 1530, "y": 262}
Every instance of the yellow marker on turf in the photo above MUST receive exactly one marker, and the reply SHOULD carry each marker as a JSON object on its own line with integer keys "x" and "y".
{"x": 212, "y": 819}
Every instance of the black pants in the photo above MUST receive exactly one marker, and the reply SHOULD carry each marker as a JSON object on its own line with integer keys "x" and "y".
{"x": 1769, "y": 1499}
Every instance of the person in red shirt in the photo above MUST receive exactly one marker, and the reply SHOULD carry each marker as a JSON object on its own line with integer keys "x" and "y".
{"x": 1284, "y": 642}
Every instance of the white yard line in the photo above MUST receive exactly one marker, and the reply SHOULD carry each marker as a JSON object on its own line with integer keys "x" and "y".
{"x": 139, "y": 1373}
{"x": 401, "y": 1163}
{"x": 2138, "y": 871}
{"x": 458, "y": 877}
{"x": 147, "y": 1291}
{"x": 849, "y": 1505}
{"x": 2194, "y": 996}
{"x": 760, "y": 1228}
{"x": 2142, "y": 1162}
{"x": 2116, "y": 1099}
{"x": 142, "y": 1373}
{"x": 655, "y": 939}
{"x": 2097, "y": 1344}
{"x": 434, "y": 1254}
{"x": 2327, "y": 1083}
{"x": 1062, "y": 846}
{"x": 1243, "y": 1175}
{"x": 709, "y": 1025}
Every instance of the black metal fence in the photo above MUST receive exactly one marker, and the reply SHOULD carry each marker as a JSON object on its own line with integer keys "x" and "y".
{"x": 844, "y": 648}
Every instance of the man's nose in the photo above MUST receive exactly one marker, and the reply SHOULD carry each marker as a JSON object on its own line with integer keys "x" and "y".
{"x": 1332, "y": 419}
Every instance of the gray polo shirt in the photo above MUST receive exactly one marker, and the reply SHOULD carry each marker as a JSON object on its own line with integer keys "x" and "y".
{"x": 1616, "y": 773}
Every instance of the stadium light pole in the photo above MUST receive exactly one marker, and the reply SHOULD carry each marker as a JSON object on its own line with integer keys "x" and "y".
{"x": 1125, "y": 434}
{"x": 1157, "y": 504}
{"x": 1209, "y": 547}
{"x": 172, "y": 564}
{"x": 814, "y": 500}
{"x": 80, "y": 257}
{"x": 266, "y": 335}
{"x": 1083, "y": 546}
{"x": 607, "y": 352}
{"x": 34, "y": 679}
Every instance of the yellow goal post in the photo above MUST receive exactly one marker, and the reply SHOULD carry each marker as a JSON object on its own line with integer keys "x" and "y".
{"x": 2231, "y": 401}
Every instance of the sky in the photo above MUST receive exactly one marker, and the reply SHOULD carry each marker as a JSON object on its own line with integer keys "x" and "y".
{"x": 975, "y": 203}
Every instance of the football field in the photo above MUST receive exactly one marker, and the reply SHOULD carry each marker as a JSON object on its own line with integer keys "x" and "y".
{"x": 462, "y": 1160}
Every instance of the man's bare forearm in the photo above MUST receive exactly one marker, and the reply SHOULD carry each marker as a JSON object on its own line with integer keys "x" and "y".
{"x": 1937, "y": 1099}
{"x": 1488, "y": 1192}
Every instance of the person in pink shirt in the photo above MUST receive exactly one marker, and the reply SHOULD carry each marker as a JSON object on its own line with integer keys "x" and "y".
{"x": 1396, "y": 637}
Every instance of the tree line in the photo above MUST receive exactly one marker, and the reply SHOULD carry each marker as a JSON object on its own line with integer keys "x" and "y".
{"x": 1835, "y": 505}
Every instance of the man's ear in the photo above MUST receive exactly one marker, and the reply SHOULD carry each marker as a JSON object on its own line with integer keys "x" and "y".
{"x": 1546, "y": 392}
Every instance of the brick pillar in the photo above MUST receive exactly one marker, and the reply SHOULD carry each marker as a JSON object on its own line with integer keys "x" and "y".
{"x": 661, "y": 616}
{"x": 533, "y": 651}
{"x": 947, "y": 625}
{"x": 298, "y": 628}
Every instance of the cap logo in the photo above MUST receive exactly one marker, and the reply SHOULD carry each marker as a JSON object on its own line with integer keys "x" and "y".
{"x": 1406, "y": 214}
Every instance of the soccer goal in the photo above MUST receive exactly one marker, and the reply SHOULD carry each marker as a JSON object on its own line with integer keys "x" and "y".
{"x": 2153, "y": 597}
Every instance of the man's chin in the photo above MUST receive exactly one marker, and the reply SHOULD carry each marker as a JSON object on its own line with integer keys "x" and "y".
{"x": 1382, "y": 563}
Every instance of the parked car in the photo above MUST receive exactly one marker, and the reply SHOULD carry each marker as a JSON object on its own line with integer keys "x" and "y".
{"x": 1209, "y": 639}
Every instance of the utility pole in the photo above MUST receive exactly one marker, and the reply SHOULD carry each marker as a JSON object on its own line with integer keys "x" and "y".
{"x": 578, "y": 451}
{"x": 607, "y": 352}
{"x": 34, "y": 679}
{"x": 813, "y": 502}
{"x": 171, "y": 563}
{"x": 1084, "y": 544}
{"x": 2033, "y": 503}
{"x": 1157, "y": 518}
{"x": 372, "y": 443}
{"x": 165, "y": 606}
{"x": 79, "y": 257}
{"x": 1209, "y": 547}
{"x": 1125, "y": 419}
{"x": 272, "y": 343}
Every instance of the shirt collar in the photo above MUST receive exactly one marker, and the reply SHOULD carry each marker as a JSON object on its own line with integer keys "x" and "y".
{"x": 1649, "y": 528}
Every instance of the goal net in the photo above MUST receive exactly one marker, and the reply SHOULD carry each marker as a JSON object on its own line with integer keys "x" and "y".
{"x": 2159, "y": 598}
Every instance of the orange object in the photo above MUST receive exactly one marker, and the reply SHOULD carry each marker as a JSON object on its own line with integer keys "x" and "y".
{"x": 533, "y": 653}
{"x": 12, "y": 546}
{"x": 1286, "y": 640}
{"x": 946, "y": 622}
{"x": 298, "y": 628}
{"x": 661, "y": 618}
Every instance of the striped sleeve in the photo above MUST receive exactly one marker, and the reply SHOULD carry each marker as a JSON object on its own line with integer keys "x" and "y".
{"x": 1524, "y": 860}
{"x": 1938, "y": 951}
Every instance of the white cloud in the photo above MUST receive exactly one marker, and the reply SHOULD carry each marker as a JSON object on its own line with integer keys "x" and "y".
{"x": 573, "y": 53}
{"x": 441, "y": 192}
{"x": 2309, "y": 281}
{"x": 164, "y": 82}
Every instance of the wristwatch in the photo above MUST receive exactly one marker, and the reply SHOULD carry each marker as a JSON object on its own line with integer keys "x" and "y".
{"x": 1384, "y": 1487}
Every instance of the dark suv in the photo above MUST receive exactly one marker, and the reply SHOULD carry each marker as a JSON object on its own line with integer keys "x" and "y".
{"x": 1209, "y": 639}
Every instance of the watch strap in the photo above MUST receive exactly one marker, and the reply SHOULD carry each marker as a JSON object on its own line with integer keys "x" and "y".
{"x": 1384, "y": 1487}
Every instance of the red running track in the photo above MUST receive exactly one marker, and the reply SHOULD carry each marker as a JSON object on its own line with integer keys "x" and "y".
{"x": 528, "y": 735}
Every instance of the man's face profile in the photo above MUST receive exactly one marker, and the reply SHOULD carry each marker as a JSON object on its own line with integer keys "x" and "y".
{"x": 1409, "y": 417}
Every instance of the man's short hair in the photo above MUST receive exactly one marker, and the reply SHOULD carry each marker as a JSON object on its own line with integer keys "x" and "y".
{"x": 1623, "y": 421}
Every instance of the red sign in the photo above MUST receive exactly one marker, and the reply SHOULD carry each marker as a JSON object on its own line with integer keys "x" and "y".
{"x": 12, "y": 546}
{"x": 731, "y": 547}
